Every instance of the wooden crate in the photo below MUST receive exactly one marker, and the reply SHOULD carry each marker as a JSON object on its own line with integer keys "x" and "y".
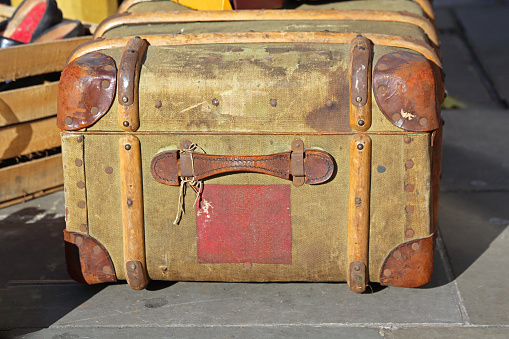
{"x": 28, "y": 120}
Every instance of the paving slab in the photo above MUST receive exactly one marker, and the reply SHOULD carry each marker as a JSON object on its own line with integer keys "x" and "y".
{"x": 488, "y": 30}
{"x": 475, "y": 230}
{"x": 475, "y": 153}
{"x": 452, "y": 333}
{"x": 261, "y": 332}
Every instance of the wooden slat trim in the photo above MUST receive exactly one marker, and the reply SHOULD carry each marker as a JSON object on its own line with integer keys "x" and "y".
{"x": 426, "y": 7}
{"x": 26, "y": 104}
{"x": 28, "y": 137}
{"x": 268, "y": 15}
{"x": 262, "y": 37}
{"x": 36, "y": 58}
{"x": 22, "y": 181}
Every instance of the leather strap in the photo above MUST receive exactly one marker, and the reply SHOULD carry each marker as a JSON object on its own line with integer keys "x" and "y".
{"x": 168, "y": 167}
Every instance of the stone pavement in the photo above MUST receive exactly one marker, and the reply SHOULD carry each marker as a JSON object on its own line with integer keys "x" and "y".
{"x": 468, "y": 296}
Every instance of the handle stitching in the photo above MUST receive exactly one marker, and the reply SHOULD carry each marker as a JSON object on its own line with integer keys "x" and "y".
{"x": 329, "y": 166}
{"x": 262, "y": 159}
{"x": 173, "y": 155}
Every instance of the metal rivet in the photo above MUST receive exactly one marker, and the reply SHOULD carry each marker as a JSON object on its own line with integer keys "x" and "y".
{"x": 97, "y": 249}
{"x": 78, "y": 162}
{"x": 407, "y": 140}
{"x": 397, "y": 55}
{"x": 80, "y": 184}
{"x": 105, "y": 84}
{"x": 397, "y": 255}
{"x": 106, "y": 269}
{"x": 358, "y": 99}
{"x": 79, "y": 241}
{"x": 423, "y": 121}
{"x": 83, "y": 228}
{"x": 108, "y": 170}
{"x": 360, "y": 147}
{"x": 357, "y": 268}
{"x": 409, "y": 188}
{"x": 298, "y": 180}
{"x": 360, "y": 122}
{"x": 94, "y": 110}
{"x": 382, "y": 67}
{"x": 330, "y": 103}
{"x": 125, "y": 99}
{"x": 362, "y": 48}
{"x": 358, "y": 201}
{"x": 415, "y": 246}
{"x": 248, "y": 265}
{"x": 410, "y": 209}
{"x": 126, "y": 123}
{"x": 82, "y": 204}
{"x": 382, "y": 89}
{"x": 409, "y": 233}
{"x": 387, "y": 272}
{"x": 68, "y": 121}
{"x": 273, "y": 102}
{"x": 79, "y": 139}
{"x": 137, "y": 37}
{"x": 164, "y": 269}
{"x": 127, "y": 147}
{"x": 159, "y": 104}
{"x": 132, "y": 266}
{"x": 131, "y": 51}
{"x": 396, "y": 117}
{"x": 129, "y": 202}
{"x": 108, "y": 68}
{"x": 215, "y": 102}
{"x": 409, "y": 164}
{"x": 380, "y": 169}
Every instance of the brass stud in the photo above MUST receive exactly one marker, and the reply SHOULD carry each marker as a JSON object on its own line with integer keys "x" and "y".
{"x": 273, "y": 102}
{"x": 382, "y": 89}
{"x": 127, "y": 147}
{"x": 78, "y": 162}
{"x": 407, "y": 140}
{"x": 298, "y": 180}
{"x": 409, "y": 233}
{"x": 358, "y": 201}
{"x": 396, "y": 117}
{"x": 248, "y": 266}
{"x": 410, "y": 209}
{"x": 409, "y": 188}
{"x": 423, "y": 121}
{"x": 409, "y": 164}
{"x": 82, "y": 204}
{"x": 360, "y": 147}
{"x": 159, "y": 104}
{"x": 125, "y": 99}
{"x": 215, "y": 102}
{"x": 106, "y": 269}
{"x": 79, "y": 241}
{"x": 97, "y": 249}
{"x": 415, "y": 246}
{"x": 357, "y": 268}
{"x": 79, "y": 139}
{"x": 132, "y": 266}
{"x": 330, "y": 103}
{"x": 358, "y": 99}
{"x": 126, "y": 123}
{"x": 94, "y": 110}
{"x": 164, "y": 269}
{"x": 108, "y": 68}
{"x": 83, "y": 228}
{"x": 396, "y": 255}
{"x": 387, "y": 272}
{"x": 68, "y": 121}
{"x": 362, "y": 48}
{"x": 105, "y": 84}
{"x": 108, "y": 170}
{"x": 129, "y": 202}
{"x": 360, "y": 122}
{"x": 80, "y": 184}
{"x": 382, "y": 67}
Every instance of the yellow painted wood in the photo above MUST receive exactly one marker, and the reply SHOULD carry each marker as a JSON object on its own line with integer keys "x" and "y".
{"x": 206, "y": 5}
{"x": 85, "y": 10}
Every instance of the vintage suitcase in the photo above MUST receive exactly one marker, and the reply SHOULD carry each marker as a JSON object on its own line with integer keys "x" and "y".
{"x": 215, "y": 123}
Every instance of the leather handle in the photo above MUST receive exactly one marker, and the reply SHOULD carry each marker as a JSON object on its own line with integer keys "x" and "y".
{"x": 169, "y": 166}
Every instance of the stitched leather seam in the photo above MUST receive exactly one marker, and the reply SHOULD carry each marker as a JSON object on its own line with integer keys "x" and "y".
{"x": 173, "y": 155}
{"x": 255, "y": 167}
{"x": 329, "y": 166}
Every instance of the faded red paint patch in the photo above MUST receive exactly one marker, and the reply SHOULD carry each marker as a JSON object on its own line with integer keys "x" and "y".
{"x": 244, "y": 223}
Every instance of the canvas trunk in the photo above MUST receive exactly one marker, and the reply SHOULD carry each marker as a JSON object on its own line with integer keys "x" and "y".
{"x": 278, "y": 153}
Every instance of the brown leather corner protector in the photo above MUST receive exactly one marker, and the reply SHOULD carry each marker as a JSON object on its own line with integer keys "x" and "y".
{"x": 406, "y": 91}
{"x": 409, "y": 264}
{"x": 86, "y": 91}
{"x": 166, "y": 166}
{"x": 87, "y": 260}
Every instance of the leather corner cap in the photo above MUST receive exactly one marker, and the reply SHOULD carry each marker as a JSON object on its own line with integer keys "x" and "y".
{"x": 405, "y": 89}
{"x": 88, "y": 262}
{"x": 409, "y": 264}
{"x": 86, "y": 91}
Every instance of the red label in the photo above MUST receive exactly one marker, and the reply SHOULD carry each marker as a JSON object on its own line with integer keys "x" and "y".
{"x": 244, "y": 223}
